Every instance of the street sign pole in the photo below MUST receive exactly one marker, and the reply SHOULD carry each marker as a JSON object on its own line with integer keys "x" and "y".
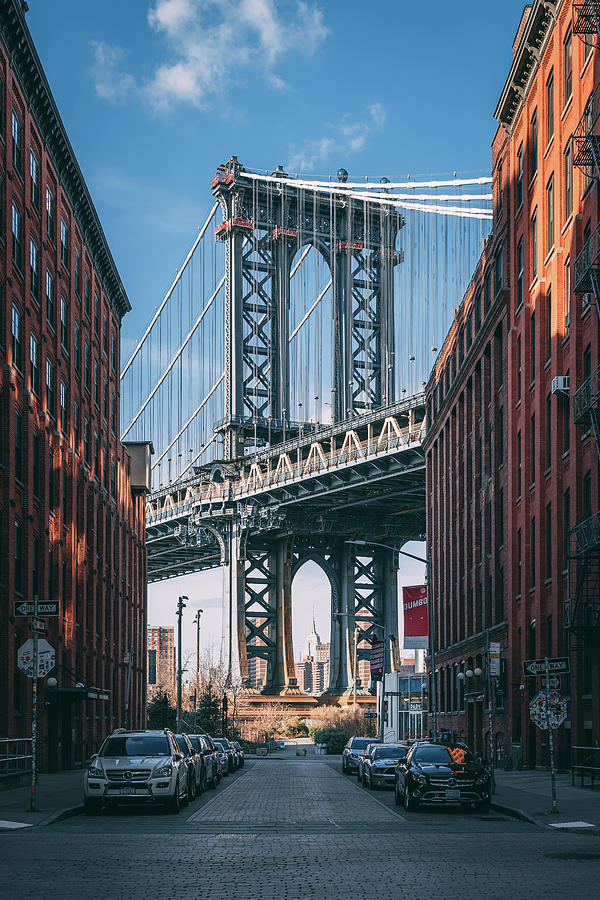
{"x": 550, "y": 737}
{"x": 34, "y": 713}
{"x": 431, "y": 624}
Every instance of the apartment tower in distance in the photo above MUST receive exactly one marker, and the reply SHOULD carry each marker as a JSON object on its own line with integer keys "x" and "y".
{"x": 513, "y": 445}
{"x": 161, "y": 658}
{"x": 71, "y": 495}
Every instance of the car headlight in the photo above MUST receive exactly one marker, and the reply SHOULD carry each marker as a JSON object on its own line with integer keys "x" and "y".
{"x": 482, "y": 779}
{"x": 163, "y": 771}
{"x": 419, "y": 778}
{"x": 95, "y": 771}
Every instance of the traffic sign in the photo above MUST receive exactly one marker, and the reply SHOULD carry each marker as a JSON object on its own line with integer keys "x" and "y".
{"x": 46, "y": 658}
{"x": 44, "y": 608}
{"x": 548, "y": 714}
{"x": 494, "y": 659}
{"x": 538, "y": 666}
{"x": 369, "y": 715}
{"x": 554, "y": 682}
{"x": 38, "y": 625}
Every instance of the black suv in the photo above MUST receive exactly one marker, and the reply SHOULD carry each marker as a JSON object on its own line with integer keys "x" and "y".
{"x": 438, "y": 772}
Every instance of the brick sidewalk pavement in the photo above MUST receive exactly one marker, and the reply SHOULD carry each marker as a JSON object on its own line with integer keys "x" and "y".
{"x": 58, "y": 794}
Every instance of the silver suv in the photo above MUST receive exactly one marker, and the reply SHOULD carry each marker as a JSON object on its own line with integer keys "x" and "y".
{"x": 134, "y": 766}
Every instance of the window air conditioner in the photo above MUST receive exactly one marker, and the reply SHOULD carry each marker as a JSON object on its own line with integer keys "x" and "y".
{"x": 560, "y": 384}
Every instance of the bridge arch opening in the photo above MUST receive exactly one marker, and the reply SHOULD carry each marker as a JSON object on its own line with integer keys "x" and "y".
{"x": 311, "y": 337}
{"x": 311, "y": 626}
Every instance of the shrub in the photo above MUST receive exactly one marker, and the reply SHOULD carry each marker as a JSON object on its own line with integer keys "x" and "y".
{"x": 334, "y": 740}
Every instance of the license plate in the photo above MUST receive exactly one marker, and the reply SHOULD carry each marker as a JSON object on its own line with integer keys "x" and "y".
{"x": 128, "y": 789}
{"x": 452, "y": 795}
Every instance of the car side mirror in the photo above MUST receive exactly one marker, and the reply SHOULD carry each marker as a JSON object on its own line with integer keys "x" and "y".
{"x": 179, "y": 757}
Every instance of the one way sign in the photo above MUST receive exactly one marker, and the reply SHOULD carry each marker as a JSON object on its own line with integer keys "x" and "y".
{"x": 44, "y": 608}
{"x": 557, "y": 665}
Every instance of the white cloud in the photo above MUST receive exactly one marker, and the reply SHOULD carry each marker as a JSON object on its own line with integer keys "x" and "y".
{"x": 344, "y": 138}
{"x": 210, "y": 45}
{"x": 111, "y": 82}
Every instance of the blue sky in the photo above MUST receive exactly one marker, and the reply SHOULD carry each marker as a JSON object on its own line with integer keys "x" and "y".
{"x": 156, "y": 93}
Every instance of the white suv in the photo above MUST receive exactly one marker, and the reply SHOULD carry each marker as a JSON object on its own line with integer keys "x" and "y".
{"x": 137, "y": 766}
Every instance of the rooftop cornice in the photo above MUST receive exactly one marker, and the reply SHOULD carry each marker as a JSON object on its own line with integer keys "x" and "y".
{"x": 526, "y": 61}
{"x": 28, "y": 68}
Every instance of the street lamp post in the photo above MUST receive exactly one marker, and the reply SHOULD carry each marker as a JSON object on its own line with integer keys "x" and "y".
{"x": 431, "y": 623}
{"x": 180, "y": 608}
{"x": 197, "y": 621}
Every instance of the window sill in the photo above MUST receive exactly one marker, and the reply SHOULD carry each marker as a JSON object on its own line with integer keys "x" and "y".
{"x": 548, "y": 145}
{"x": 518, "y": 309}
{"x": 532, "y": 385}
{"x": 549, "y": 255}
{"x": 518, "y": 404}
{"x": 586, "y": 63}
{"x": 567, "y": 107}
{"x": 518, "y": 598}
{"x": 547, "y": 471}
{"x": 532, "y": 486}
{"x": 548, "y": 363}
{"x": 548, "y": 581}
{"x": 567, "y": 224}
{"x": 533, "y": 179}
{"x": 518, "y": 500}
{"x": 585, "y": 312}
{"x": 566, "y": 454}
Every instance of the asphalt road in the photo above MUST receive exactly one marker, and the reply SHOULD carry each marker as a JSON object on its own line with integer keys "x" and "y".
{"x": 297, "y": 829}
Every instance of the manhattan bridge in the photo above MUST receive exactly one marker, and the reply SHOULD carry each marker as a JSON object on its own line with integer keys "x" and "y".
{"x": 281, "y": 380}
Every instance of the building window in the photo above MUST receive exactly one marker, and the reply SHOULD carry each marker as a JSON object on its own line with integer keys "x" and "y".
{"x": 534, "y": 246}
{"x": 18, "y": 557}
{"x": 50, "y": 389}
{"x": 18, "y": 446}
{"x": 499, "y": 190}
{"x": 113, "y": 414}
{"x": 113, "y": 480}
{"x": 498, "y": 271}
{"x": 477, "y": 305}
{"x": 17, "y": 238}
{"x": 566, "y": 526}
{"x": 64, "y": 323}
{"x": 64, "y": 408}
{"x": 86, "y": 441}
{"x": 34, "y": 362}
{"x": 519, "y": 460}
{"x": 105, "y": 336}
{"x": 105, "y": 400}
{"x": 519, "y": 562}
{"x": 500, "y": 435}
{"x": 17, "y": 340}
{"x": 34, "y": 177}
{"x": 86, "y": 367}
{"x": 548, "y": 431}
{"x": 587, "y": 495}
{"x": 17, "y": 143}
{"x": 550, "y": 107}
{"x": 533, "y": 351}
{"x": 76, "y": 426}
{"x": 533, "y": 146}
{"x": 550, "y": 215}
{"x": 113, "y": 349}
{"x": 567, "y": 294}
{"x": 487, "y": 291}
{"x": 587, "y": 362}
{"x": 77, "y": 272}
{"x": 96, "y": 314}
{"x": 568, "y": 67}
{"x": 520, "y": 272}
{"x": 97, "y": 472}
{"x": 519, "y": 368}
{"x": 533, "y": 449}
{"x": 500, "y": 519}
{"x": 568, "y": 157}
{"x": 64, "y": 243}
{"x": 34, "y": 270}
{"x": 566, "y": 411}
{"x": 548, "y": 324}
{"x": 50, "y": 306}
{"x": 96, "y": 384}
{"x": 532, "y": 556}
{"x": 520, "y": 177}
{"x": 549, "y": 541}
{"x": 35, "y": 452}
{"x": 86, "y": 294}
{"x": 77, "y": 348}
{"x": 50, "y": 214}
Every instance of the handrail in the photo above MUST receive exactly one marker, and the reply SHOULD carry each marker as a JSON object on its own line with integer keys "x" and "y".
{"x": 587, "y": 533}
{"x": 587, "y": 395}
{"x": 587, "y": 258}
{"x": 12, "y": 760}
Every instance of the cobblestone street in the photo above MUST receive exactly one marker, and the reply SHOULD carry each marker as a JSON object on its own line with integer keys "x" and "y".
{"x": 297, "y": 829}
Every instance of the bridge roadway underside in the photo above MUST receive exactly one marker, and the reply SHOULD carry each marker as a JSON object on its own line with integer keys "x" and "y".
{"x": 264, "y": 517}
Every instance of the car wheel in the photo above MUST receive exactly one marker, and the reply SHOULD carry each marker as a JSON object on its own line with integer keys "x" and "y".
{"x": 371, "y": 784}
{"x": 191, "y": 788}
{"x": 213, "y": 781}
{"x": 202, "y": 782}
{"x": 397, "y": 795}
{"x": 174, "y": 804}
{"x": 483, "y": 806}
{"x": 91, "y": 807}
{"x": 410, "y": 804}
{"x": 363, "y": 780}
{"x": 185, "y": 800}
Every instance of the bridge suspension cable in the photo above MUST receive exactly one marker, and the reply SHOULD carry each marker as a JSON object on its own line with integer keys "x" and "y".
{"x": 201, "y": 406}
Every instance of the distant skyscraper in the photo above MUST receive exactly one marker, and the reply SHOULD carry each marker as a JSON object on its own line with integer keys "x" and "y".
{"x": 161, "y": 657}
{"x": 257, "y": 667}
{"x": 312, "y": 671}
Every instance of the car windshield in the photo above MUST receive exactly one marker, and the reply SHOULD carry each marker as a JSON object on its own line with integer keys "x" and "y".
{"x": 389, "y": 753}
{"x": 196, "y": 743}
{"x": 220, "y": 742}
{"x": 360, "y": 743}
{"x": 137, "y": 745}
{"x": 443, "y": 755}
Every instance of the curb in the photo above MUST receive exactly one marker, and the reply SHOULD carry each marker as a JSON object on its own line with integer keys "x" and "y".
{"x": 514, "y": 812}
{"x": 61, "y": 814}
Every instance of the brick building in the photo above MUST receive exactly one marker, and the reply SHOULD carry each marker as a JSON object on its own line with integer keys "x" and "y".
{"x": 162, "y": 670}
{"x": 71, "y": 497}
{"x": 545, "y": 548}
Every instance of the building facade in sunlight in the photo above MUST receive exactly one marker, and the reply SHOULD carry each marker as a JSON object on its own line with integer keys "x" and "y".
{"x": 513, "y": 445}
{"x": 161, "y": 659}
{"x": 71, "y": 495}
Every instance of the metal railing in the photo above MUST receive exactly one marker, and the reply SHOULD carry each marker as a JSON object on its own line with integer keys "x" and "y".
{"x": 586, "y": 17}
{"x": 587, "y": 534}
{"x": 586, "y": 260}
{"x": 15, "y": 756}
{"x": 587, "y": 396}
{"x": 585, "y": 761}
{"x": 583, "y": 137}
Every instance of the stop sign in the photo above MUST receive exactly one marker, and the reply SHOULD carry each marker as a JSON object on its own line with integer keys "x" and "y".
{"x": 46, "y": 658}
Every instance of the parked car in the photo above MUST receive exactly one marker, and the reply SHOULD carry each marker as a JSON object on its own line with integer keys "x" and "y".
{"x": 207, "y": 750}
{"x": 379, "y": 767}
{"x": 352, "y": 751}
{"x": 438, "y": 772}
{"x": 363, "y": 755}
{"x": 196, "y": 772}
{"x": 240, "y": 753}
{"x": 136, "y": 766}
{"x": 225, "y": 755}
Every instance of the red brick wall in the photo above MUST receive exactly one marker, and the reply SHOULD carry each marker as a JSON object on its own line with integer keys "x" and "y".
{"x": 88, "y": 527}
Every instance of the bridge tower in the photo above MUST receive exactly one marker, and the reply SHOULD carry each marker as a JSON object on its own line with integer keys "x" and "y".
{"x": 266, "y": 220}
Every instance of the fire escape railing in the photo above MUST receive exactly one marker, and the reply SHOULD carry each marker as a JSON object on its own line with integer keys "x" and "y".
{"x": 582, "y": 614}
{"x": 586, "y": 143}
{"x": 586, "y": 17}
{"x": 586, "y": 534}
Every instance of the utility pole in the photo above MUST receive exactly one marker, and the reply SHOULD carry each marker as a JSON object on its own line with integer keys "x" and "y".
{"x": 180, "y": 608}
{"x": 34, "y": 712}
{"x": 384, "y": 669}
{"x": 488, "y": 678}
{"x": 197, "y": 621}
{"x": 129, "y": 660}
{"x": 431, "y": 621}
{"x": 355, "y": 663}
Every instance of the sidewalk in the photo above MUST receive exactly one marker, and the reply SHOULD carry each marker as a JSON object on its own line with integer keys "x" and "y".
{"x": 58, "y": 796}
{"x": 528, "y": 795}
